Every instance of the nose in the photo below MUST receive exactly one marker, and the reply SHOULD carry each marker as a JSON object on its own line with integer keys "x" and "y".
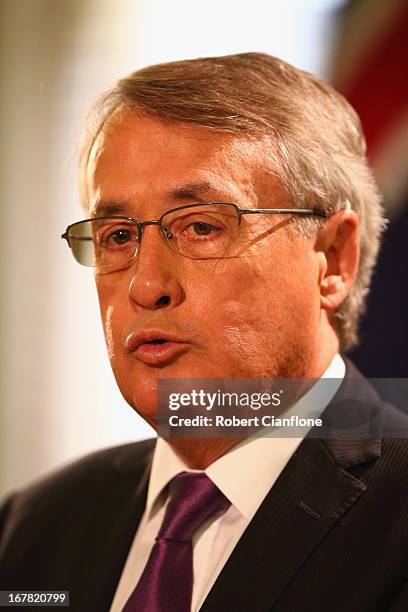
{"x": 155, "y": 281}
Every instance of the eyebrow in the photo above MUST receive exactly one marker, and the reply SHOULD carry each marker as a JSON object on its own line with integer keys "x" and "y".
{"x": 107, "y": 209}
{"x": 192, "y": 191}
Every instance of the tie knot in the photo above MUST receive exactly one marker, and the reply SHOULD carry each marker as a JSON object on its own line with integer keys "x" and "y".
{"x": 194, "y": 498}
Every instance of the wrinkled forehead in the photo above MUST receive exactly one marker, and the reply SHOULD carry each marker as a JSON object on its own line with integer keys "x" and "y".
{"x": 138, "y": 158}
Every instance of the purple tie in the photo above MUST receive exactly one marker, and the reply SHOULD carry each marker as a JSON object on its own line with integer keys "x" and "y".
{"x": 166, "y": 584}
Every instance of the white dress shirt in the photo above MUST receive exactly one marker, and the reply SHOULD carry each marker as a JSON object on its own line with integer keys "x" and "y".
{"x": 245, "y": 474}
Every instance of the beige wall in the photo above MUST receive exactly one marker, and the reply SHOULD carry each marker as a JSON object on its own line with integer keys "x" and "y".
{"x": 58, "y": 397}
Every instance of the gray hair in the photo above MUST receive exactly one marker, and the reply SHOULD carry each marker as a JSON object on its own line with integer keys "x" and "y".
{"x": 315, "y": 141}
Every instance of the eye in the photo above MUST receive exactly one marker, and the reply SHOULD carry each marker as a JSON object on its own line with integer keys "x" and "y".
{"x": 191, "y": 228}
{"x": 120, "y": 236}
{"x": 203, "y": 229}
{"x": 114, "y": 237}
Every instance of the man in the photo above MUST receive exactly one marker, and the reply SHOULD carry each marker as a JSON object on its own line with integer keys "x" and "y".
{"x": 233, "y": 224}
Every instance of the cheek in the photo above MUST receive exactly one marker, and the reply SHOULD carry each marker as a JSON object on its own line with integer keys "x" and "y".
{"x": 239, "y": 305}
{"x": 112, "y": 315}
{"x": 109, "y": 329}
{"x": 264, "y": 304}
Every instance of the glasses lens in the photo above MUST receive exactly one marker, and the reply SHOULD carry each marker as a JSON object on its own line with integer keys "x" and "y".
{"x": 106, "y": 244}
{"x": 201, "y": 232}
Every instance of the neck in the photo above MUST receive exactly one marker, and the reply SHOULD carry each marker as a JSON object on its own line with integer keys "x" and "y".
{"x": 199, "y": 453}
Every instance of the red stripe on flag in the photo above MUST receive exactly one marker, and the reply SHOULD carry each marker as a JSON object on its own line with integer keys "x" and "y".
{"x": 379, "y": 90}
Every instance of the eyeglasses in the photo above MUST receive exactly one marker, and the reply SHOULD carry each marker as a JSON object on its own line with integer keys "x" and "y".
{"x": 208, "y": 230}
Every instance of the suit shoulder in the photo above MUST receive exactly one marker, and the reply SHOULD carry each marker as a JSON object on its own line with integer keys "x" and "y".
{"x": 395, "y": 421}
{"x": 394, "y": 443}
{"x": 88, "y": 475}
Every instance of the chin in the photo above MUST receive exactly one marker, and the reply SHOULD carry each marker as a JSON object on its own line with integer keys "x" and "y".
{"x": 145, "y": 405}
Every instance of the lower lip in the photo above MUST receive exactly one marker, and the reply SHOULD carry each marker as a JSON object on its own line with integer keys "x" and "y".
{"x": 160, "y": 354}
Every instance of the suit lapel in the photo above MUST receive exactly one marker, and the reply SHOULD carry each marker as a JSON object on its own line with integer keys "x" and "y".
{"x": 312, "y": 494}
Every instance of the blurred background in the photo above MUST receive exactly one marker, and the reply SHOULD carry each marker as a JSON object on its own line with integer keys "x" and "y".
{"x": 58, "y": 395}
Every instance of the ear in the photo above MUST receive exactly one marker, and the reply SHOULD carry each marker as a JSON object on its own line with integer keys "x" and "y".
{"x": 338, "y": 246}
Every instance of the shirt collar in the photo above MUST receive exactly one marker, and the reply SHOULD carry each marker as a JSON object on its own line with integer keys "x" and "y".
{"x": 265, "y": 457}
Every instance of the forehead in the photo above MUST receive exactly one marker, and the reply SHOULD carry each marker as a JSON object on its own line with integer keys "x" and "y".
{"x": 136, "y": 160}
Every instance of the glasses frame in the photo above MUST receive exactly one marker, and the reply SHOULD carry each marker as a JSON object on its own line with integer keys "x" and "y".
{"x": 305, "y": 212}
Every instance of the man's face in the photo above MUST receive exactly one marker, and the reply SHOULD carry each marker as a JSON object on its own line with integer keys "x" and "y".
{"x": 251, "y": 316}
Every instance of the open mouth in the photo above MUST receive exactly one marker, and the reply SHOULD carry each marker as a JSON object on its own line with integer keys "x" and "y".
{"x": 154, "y": 349}
{"x": 159, "y": 351}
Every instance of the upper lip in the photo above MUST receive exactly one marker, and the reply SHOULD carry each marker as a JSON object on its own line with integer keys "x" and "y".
{"x": 136, "y": 339}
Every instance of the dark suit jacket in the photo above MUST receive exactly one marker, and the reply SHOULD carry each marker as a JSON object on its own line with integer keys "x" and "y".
{"x": 331, "y": 535}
